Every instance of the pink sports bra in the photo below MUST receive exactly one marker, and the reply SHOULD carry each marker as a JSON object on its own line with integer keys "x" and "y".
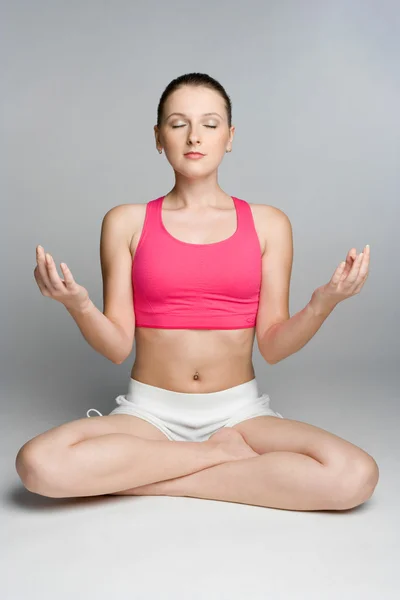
{"x": 179, "y": 285}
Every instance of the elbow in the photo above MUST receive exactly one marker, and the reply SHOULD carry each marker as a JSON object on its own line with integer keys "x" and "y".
{"x": 120, "y": 359}
{"x": 124, "y": 353}
{"x": 270, "y": 361}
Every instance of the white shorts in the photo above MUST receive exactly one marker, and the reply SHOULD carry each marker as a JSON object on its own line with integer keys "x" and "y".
{"x": 190, "y": 417}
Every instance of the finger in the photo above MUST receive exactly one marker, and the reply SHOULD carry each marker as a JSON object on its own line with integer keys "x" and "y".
{"x": 338, "y": 273}
{"x": 363, "y": 271}
{"x": 365, "y": 263}
{"x": 53, "y": 274}
{"x": 68, "y": 278}
{"x": 352, "y": 276}
{"x": 40, "y": 283}
{"x": 360, "y": 285}
{"x": 348, "y": 265}
{"x": 40, "y": 259}
{"x": 351, "y": 256}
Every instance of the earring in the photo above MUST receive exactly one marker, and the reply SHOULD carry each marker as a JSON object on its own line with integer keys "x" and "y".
{"x": 159, "y": 151}
{"x": 229, "y": 150}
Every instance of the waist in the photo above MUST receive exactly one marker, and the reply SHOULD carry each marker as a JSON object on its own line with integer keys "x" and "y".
{"x": 171, "y": 403}
{"x": 170, "y": 359}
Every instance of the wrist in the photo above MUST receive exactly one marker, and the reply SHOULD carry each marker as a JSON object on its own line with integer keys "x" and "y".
{"x": 321, "y": 305}
{"x": 82, "y": 308}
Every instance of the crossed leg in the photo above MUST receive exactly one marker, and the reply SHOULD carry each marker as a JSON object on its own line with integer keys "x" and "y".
{"x": 299, "y": 467}
{"x": 296, "y": 466}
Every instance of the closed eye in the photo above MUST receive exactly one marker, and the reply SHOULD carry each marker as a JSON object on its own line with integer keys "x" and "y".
{"x": 210, "y": 126}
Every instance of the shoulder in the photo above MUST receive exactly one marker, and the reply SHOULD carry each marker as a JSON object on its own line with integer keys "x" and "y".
{"x": 269, "y": 221}
{"x": 122, "y": 211}
{"x": 267, "y": 211}
{"x": 125, "y": 214}
{"x": 124, "y": 220}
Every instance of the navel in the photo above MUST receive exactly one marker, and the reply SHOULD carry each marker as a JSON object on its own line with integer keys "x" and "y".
{"x": 196, "y": 375}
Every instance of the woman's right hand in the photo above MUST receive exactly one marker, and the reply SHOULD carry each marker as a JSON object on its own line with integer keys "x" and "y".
{"x": 66, "y": 290}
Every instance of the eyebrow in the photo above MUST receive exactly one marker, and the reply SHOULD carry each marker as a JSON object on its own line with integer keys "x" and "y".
{"x": 183, "y": 114}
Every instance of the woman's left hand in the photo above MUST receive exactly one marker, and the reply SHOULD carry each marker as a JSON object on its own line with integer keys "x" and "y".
{"x": 347, "y": 280}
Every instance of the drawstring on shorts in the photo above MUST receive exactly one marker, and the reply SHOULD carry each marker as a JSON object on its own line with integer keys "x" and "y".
{"x": 87, "y": 414}
{"x": 118, "y": 400}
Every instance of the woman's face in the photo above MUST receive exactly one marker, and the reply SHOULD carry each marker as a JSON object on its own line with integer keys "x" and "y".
{"x": 194, "y": 130}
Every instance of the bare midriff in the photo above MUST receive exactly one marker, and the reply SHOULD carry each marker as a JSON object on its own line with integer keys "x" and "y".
{"x": 193, "y": 360}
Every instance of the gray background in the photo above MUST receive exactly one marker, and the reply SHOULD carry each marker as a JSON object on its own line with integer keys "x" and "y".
{"x": 315, "y": 88}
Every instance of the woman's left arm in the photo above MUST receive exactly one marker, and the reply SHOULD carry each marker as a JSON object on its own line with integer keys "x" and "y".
{"x": 285, "y": 338}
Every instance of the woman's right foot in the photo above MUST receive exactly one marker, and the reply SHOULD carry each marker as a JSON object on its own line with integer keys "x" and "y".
{"x": 233, "y": 443}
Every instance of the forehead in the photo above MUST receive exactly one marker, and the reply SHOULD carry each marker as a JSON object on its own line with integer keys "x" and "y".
{"x": 193, "y": 100}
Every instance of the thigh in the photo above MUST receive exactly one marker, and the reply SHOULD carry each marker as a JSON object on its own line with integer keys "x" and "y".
{"x": 73, "y": 432}
{"x": 272, "y": 434}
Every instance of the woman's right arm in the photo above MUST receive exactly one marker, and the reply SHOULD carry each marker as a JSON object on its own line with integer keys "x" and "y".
{"x": 112, "y": 332}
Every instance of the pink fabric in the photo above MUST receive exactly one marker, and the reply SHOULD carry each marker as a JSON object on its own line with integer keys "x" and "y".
{"x": 178, "y": 285}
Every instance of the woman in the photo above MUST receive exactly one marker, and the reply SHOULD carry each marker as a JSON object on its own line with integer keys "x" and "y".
{"x": 210, "y": 272}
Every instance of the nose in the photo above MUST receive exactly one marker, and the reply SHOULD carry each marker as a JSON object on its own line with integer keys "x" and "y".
{"x": 193, "y": 137}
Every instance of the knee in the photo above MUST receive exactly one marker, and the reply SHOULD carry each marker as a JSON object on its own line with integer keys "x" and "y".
{"x": 34, "y": 469}
{"x": 360, "y": 482}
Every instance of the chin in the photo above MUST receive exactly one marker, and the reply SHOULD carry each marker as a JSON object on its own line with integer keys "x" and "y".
{"x": 193, "y": 171}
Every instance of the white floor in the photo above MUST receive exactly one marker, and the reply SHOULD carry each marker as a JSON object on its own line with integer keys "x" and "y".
{"x": 174, "y": 548}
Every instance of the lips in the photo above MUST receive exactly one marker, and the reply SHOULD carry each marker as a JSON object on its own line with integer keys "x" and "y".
{"x": 194, "y": 154}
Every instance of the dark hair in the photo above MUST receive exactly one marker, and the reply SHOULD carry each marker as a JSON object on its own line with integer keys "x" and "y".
{"x": 195, "y": 79}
